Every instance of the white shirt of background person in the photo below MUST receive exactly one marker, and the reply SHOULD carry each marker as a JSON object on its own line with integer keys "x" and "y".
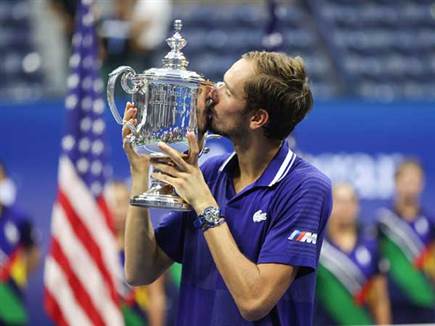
{"x": 157, "y": 14}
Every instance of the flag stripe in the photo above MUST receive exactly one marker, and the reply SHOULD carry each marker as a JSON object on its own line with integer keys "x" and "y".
{"x": 82, "y": 297}
{"x": 53, "y": 308}
{"x": 57, "y": 285}
{"x": 84, "y": 204}
{"x": 82, "y": 233}
{"x": 101, "y": 201}
{"x": 84, "y": 266}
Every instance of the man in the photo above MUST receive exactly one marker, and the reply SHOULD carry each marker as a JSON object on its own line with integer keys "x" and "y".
{"x": 250, "y": 248}
{"x": 351, "y": 285}
{"x": 407, "y": 240}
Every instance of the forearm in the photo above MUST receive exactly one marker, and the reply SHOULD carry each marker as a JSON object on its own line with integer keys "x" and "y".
{"x": 143, "y": 263}
{"x": 157, "y": 302}
{"x": 379, "y": 301}
{"x": 241, "y": 276}
{"x": 381, "y": 312}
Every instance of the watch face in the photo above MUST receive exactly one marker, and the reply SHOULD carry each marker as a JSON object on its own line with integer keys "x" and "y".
{"x": 211, "y": 214}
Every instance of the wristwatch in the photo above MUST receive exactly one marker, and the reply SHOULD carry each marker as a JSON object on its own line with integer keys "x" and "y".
{"x": 209, "y": 218}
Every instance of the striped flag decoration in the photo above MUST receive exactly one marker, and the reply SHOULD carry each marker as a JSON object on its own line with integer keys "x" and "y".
{"x": 82, "y": 268}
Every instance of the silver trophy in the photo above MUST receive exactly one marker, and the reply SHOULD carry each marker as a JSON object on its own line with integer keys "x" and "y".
{"x": 166, "y": 102}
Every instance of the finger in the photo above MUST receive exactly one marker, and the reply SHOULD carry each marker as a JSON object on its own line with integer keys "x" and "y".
{"x": 166, "y": 169}
{"x": 130, "y": 112}
{"x": 174, "y": 155}
{"x": 164, "y": 178}
{"x": 128, "y": 147}
{"x": 193, "y": 148}
{"x": 125, "y": 129}
{"x": 128, "y": 105}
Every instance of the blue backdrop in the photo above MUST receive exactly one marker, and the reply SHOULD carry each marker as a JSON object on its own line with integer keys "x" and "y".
{"x": 353, "y": 140}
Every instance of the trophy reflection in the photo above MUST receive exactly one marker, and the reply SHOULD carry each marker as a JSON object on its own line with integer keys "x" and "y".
{"x": 167, "y": 108}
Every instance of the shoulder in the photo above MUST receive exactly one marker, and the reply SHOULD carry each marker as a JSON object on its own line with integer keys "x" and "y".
{"x": 14, "y": 214}
{"x": 305, "y": 177}
{"x": 305, "y": 191}
{"x": 368, "y": 238}
{"x": 211, "y": 166}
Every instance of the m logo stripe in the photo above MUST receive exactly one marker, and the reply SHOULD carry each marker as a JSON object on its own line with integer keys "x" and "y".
{"x": 303, "y": 236}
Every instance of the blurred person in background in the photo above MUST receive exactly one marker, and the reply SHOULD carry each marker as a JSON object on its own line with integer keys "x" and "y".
{"x": 351, "y": 286}
{"x": 7, "y": 187}
{"x": 407, "y": 241}
{"x": 144, "y": 305}
{"x": 66, "y": 10}
{"x": 19, "y": 254}
{"x": 134, "y": 32}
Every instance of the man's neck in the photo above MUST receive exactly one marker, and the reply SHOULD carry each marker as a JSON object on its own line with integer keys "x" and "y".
{"x": 253, "y": 156}
{"x": 407, "y": 209}
{"x": 343, "y": 235}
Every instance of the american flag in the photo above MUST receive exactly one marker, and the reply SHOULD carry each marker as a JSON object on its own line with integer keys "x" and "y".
{"x": 82, "y": 267}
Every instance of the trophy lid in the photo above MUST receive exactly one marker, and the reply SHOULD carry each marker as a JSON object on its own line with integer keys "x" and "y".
{"x": 175, "y": 63}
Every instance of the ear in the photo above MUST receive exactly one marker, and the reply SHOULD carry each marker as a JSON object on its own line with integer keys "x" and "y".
{"x": 259, "y": 118}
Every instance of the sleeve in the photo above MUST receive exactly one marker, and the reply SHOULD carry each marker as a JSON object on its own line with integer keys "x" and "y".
{"x": 170, "y": 234}
{"x": 296, "y": 233}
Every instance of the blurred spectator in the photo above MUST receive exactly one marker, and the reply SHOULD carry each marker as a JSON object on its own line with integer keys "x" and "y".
{"x": 140, "y": 305}
{"x": 407, "y": 239}
{"x": 133, "y": 33}
{"x": 149, "y": 28}
{"x": 19, "y": 255}
{"x": 7, "y": 188}
{"x": 351, "y": 288}
{"x": 66, "y": 9}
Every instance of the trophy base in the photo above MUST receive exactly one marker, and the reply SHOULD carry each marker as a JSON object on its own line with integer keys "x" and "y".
{"x": 170, "y": 202}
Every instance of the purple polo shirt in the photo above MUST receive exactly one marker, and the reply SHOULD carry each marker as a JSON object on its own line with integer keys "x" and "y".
{"x": 280, "y": 218}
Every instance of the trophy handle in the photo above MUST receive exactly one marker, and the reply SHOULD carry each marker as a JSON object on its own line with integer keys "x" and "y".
{"x": 128, "y": 85}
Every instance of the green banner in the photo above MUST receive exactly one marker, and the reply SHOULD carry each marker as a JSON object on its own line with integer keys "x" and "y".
{"x": 412, "y": 281}
{"x": 338, "y": 301}
{"x": 175, "y": 272}
{"x": 131, "y": 317}
{"x": 12, "y": 311}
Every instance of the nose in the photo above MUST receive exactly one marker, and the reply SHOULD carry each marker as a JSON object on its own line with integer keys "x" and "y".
{"x": 214, "y": 92}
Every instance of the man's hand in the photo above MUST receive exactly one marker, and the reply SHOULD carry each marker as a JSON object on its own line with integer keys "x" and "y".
{"x": 185, "y": 175}
{"x": 138, "y": 163}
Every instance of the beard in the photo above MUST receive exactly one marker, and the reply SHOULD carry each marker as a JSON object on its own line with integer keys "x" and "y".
{"x": 209, "y": 126}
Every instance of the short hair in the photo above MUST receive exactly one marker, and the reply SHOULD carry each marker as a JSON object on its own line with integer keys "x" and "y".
{"x": 406, "y": 163}
{"x": 280, "y": 87}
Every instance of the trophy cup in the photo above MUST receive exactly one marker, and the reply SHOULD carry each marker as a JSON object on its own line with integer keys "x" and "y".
{"x": 166, "y": 102}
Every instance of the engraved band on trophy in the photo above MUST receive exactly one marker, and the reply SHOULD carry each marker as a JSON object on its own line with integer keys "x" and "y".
{"x": 166, "y": 102}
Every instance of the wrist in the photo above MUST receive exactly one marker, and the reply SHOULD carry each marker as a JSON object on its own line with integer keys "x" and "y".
{"x": 210, "y": 217}
{"x": 139, "y": 184}
{"x": 200, "y": 206}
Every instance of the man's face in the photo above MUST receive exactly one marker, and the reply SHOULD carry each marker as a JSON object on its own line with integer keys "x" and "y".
{"x": 345, "y": 206}
{"x": 228, "y": 116}
{"x": 409, "y": 183}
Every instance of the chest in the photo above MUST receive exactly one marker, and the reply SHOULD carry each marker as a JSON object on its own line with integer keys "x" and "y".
{"x": 249, "y": 217}
{"x": 365, "y": 258}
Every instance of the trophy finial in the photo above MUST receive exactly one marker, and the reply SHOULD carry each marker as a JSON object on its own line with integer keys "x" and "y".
{"x": 175, "y": 59}
{"x": 178, "y": 24}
